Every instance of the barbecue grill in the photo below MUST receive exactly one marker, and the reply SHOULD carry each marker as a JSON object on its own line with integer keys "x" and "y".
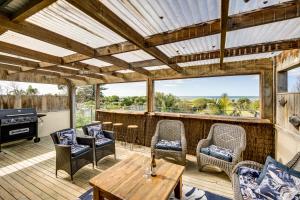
{"x": 16, "y": 124}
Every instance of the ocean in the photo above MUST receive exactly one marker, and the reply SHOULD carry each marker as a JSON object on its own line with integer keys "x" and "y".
{"x": 216, "y": 97}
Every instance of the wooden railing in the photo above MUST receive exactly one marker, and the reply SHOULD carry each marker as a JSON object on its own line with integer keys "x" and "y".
{"x": 260, "y": 133}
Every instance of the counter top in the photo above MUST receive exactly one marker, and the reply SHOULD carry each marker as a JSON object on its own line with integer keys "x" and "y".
{"x": 193, "y": 116}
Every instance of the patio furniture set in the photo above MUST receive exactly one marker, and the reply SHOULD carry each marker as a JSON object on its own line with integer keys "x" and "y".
{"x": 223, "y": 148}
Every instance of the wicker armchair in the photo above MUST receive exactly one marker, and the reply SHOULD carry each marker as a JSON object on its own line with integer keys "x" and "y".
{"x": 100, "y": 151}
{"x": 294, "y": 164}
{"x": 170, "y": 130}
{"x": 226, "y": 136}
{"x": 66, "y": 160}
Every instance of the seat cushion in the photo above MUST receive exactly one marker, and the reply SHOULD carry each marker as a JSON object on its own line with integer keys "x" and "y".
{"x": 278, "y": 183}
{"x": 95, "y": 131}
{"x": 169, "y": 145}
{"x": 247, "y": 178}
{"x": 103, "y": 141}
{"x": 77, "y": 149}
{"x": 218, "y": 152}
{"x": 67, "y": 137}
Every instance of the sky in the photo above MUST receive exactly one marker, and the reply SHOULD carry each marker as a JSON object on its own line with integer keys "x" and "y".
{"x": 212, "y": 86}
{"x": 42, "y": 88}
{"x": 293, "y": 77}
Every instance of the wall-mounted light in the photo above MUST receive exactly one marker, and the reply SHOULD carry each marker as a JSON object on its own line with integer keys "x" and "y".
{"x": 282, "y": 101}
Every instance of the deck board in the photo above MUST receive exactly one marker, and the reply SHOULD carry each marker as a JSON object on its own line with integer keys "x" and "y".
{"x": 27, "y": 171}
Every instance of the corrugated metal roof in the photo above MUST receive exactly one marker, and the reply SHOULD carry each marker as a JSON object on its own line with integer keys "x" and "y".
{"x": 134, "y": 56}
{"x": 96, "y": 62}
{"x": 200, "y": 62}
{"x": 65, "y": 19}
{"x": 288, "y": 29}
{"x": 150, "y": 68}
{"x": 125, "y": 71}
{"x": 34, "y": 44}
{"x": 150, "y": 17}
{"x": 240, "y": 6}
{"x": 196, "y": 45}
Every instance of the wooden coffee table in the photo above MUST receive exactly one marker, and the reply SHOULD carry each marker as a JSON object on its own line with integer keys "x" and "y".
{"x": 125, "y": 180}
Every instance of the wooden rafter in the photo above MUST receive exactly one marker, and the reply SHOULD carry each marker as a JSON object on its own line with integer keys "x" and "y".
{"x": 32, "y": 7}
{"x": 124, "y": 65}
{"x": 224, "y": 18}
{"x": 49, "y": 59}
{"x": 274, "y": 13}
{"x": 241, "y": 51}
{"x": 19, "y": 69}
{"x": 102, "y": 14}
{"x": 31, "y": 30}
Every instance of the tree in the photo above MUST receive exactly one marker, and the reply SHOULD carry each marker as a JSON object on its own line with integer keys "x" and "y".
{"x": 31, "y": 91}
{"x": 15, "y": 90}
{"x": 223, "y": 104}
{"x": 200, "y": 103}
{"x": 243, "y": 103}
{"x": 166, "y": 102}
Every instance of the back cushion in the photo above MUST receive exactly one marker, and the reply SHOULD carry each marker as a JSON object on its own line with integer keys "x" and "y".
{"x": 95, "y": 131}
{"x": 67, "y": 137}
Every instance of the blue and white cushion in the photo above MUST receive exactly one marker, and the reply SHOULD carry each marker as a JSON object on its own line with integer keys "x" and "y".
{"x": 218, "y": 152}
{"x": 279, "y": 184}
{"x": 77, "y": 149}
{"x": 95, "y": 131}
{"x": 67, "y": 137}
{"x": 248, "y": 184}
{"x": 103, "y": 141}
{"x": 169, "y": 145}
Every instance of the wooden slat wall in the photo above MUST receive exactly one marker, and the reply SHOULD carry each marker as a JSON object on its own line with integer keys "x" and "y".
{"x": 45, "y": 103}
{"x": 260, "y": 136}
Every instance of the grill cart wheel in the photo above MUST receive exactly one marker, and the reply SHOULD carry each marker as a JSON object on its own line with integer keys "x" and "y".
{"x": 36, "y": 140}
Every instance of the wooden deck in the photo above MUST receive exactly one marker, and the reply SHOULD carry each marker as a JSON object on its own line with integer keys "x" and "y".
{"x": 27, "y": 172}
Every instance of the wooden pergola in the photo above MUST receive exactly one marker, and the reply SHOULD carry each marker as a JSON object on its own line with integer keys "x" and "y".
{"x": 77, "y": 42}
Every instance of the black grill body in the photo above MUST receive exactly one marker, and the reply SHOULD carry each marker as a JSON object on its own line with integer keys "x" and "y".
{"x": 16, "y": 124}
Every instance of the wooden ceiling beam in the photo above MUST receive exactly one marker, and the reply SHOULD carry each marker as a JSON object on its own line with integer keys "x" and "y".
{"x": 19, "y": 69}
{"x": 34, "y": 31}
{"x": 123, "y": 64}
{"x": 32, "y": 7}
{"x": 224, "y": 18}
{"x": 241, "y": 51}
{"x": 103, "y": 15}
{"x": 49, "y": 60}
{"x": 274, "y": 13}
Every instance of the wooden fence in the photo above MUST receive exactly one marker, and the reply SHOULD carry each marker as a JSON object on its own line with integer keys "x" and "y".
{"x": 260, "y": 134}
{"x": 46, "y": 103}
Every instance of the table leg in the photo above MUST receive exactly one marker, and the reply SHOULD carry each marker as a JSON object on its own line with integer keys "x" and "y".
{"x": 97, "y": 194}
{"x": 178, "y": 189}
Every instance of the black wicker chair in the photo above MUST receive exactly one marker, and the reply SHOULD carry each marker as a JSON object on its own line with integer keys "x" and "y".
{"x": 102, "y": 150}
{"x": 69, "y": 160}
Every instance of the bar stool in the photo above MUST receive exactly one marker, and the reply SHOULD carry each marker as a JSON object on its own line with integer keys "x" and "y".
{"x": 107, "y": 126}
{"x": 133, "y": 135}
{"x": 118, "y": 131}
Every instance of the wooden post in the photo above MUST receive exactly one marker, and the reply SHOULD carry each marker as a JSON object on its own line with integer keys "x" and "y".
{"x": 150, "y": 95}
{"x": 72, "y": 103}
{"x": 97, "y": 96}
